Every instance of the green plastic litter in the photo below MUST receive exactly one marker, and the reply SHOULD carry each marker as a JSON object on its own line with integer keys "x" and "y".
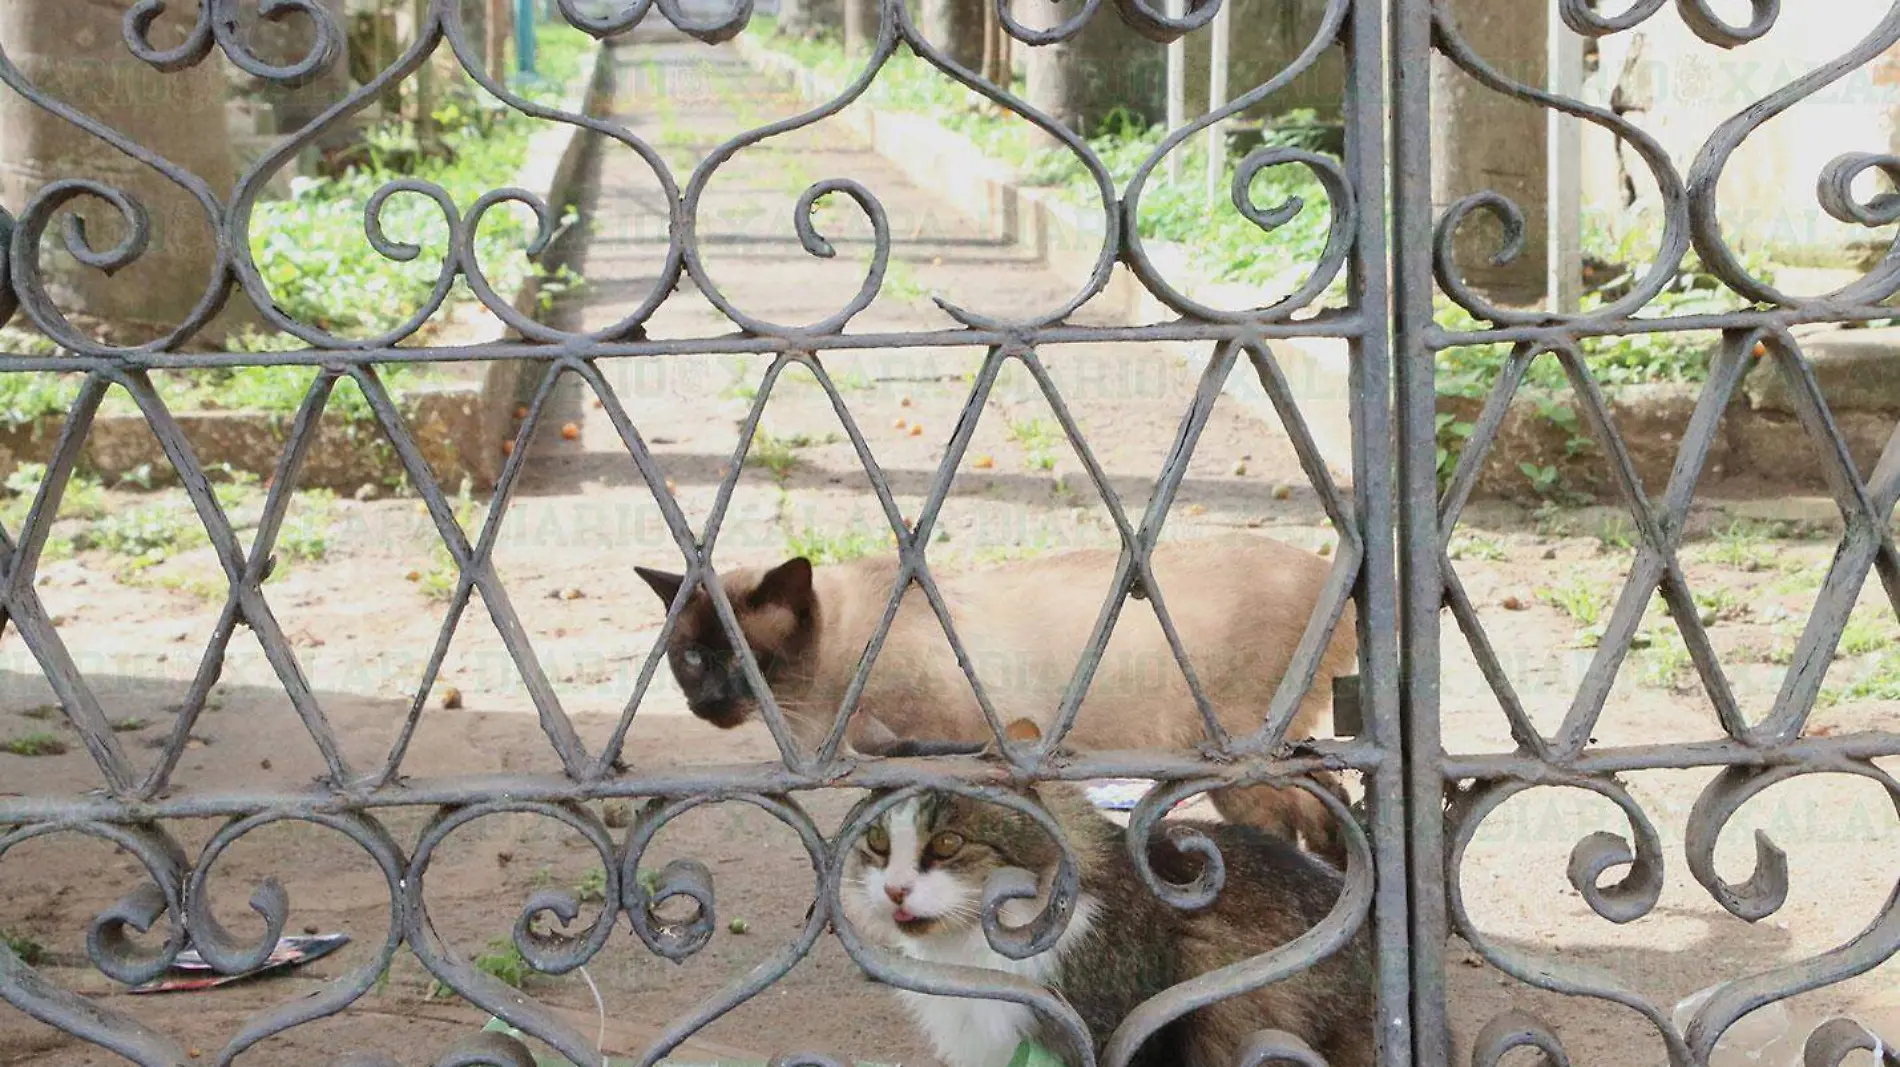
{"x": 1030, "y": 1054}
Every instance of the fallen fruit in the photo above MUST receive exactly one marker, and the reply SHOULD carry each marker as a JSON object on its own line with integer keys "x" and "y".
{"x": 571, "y": 432}
{"x": 451, "y": 698}
{"x": 916, "y": 430}
{"x": 508, "y": 448}
{"x": 521, "y": 412}
{"x": 983, "y": 463}
{"x": 900, "y": 424}
{"x": 413, "y": 576}
{"x": 1512, "y": 603}
{"x": 903, "y": 401}
{"x": 670, "y": 487}
{"x": 739, "y": 926}
{"x": 1282, "y": 492}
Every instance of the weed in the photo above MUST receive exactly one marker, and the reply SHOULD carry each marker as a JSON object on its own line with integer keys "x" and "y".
{"x": 592, "y": 887}
{"x": 901, "y": 285}
{"x": 775, "y": 454}
{"x": 502, "y": 962}
{"x": 822, "y": 547}
{"x": 1452, "y": 434}
{"x": 1666, "y": 663}
{"x": 1880, "y": 680}
{"x": 306, "y": 531}
{"x": 1742, "y": 545}
{"x": 1474, "y": 546}
{"x": 1580, "y": 598}
{"x": 130, "y": 725}
{"x": 28, "y": 950}
{"x": 146, "y": 535}
{"x": 34, "y": 744}
{"x": 740, "y": 388}
{"x": 1616, "y": 534}
{"x": 43, "y": 712}
{"x": 1865, "y": 633}
{"x": 1038, "y": 440}
{"x": 439, "y": 580}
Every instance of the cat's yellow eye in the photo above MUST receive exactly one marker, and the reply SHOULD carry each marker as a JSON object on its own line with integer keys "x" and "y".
{"x": 877, "y": 840}
{"x": 945, "y": 845}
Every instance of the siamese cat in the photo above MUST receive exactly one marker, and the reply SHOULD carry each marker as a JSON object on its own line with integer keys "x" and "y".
{"x": 914, "y": 885}
{"x": 1239, "y": 603}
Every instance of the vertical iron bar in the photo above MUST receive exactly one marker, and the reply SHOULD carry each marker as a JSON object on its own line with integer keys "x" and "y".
{"x": 1370, "y": 380}
{"x": 1421, "y": 585}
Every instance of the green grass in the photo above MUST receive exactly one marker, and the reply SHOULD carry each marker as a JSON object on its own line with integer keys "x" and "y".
{"x": 1879, "y": 680}
{"x": 1665, "y": 663}
{"x": 29, "y": 951}
{"x": 592, "y": 888}
{"x": 503, "y": 962}
{"x": 439, "y": 579}
{"x": 1580, "y": 598}
{"x": 130, "y": 725}
{"x": 34, "y": 744}
{"x": 1039, "y": 440}
{"x": 837, "y": 546}
{"x": 1866, "y": 632}
{"x": 306, "y": 531}
{"x": 1743, "y": 545}
{"x": 1478, "y": 547}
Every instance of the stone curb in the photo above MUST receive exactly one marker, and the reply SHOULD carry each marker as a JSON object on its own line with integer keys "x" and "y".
{"x": 457, "y": 425}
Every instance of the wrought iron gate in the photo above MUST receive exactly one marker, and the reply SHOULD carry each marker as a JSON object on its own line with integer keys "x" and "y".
{"x": 1401, "y": 878}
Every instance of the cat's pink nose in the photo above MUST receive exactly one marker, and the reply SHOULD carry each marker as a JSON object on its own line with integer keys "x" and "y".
{"x": 897, "y": 893}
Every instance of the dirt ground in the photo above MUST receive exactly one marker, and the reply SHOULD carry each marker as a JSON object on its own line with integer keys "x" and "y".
{"x": 365, "y": 617}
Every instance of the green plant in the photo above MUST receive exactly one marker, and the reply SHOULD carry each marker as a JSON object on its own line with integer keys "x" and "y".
{"x": 825, "y": 546}
{"x": 24, "y": 947}
{"x": 1865, "y": 632}
{"x": 592, "y": 887}
{"x": 34, "y": 744}
{"x": 502, "y": 962}
{"x": 901, "y": 284}
{"x": 1452, "y": 433}
{"x": 1616, "y": 534}
{"x": 130, "y": 725}
{"x": 306, "y": 531}
{"x": 1038, "y": 440}
{"x": 1879, "y": 680}
{"x": 1474, "y": 546}
{"x": 147, "y": 535}
{"x": 1579, "y": 598}
{"x": 1665, "y": 662}
{"x": 439, "y": 580}
{"x": 1743, "y": 545}
{"x": 43, "y": 712}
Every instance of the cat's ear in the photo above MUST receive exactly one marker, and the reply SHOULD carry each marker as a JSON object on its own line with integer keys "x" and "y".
{"x": 787, "y": 585}
{"x": 664, "y": 585}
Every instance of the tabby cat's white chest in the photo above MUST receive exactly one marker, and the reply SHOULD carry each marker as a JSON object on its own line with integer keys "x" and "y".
{"x": 971, "y": 1032}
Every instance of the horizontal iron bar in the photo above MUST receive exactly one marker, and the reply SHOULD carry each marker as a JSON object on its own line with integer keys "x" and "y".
{"x": 1343, "y": 327}
{"x": 767, "y": 778}
{"x": 1821, "y": 752}
{"x": 1745, "y": 319}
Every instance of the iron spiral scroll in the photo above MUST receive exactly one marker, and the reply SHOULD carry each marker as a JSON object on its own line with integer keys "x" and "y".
{"x": 1620, "y": 876}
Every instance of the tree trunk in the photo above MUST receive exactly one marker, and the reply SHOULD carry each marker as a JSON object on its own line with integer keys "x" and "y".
{"x": 957, "y": 27}
{"x": 1485, "y": 141}
{"x": 500, "y": 26}
{"x": 860, "y": 25}
{"x": 1106, "y": 66}
{"x": 810, "y": 18}
{"x": 72, "y": 50}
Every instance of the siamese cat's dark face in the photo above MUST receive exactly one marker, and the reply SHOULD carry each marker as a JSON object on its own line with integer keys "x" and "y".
{"x": 777, "y": 612}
